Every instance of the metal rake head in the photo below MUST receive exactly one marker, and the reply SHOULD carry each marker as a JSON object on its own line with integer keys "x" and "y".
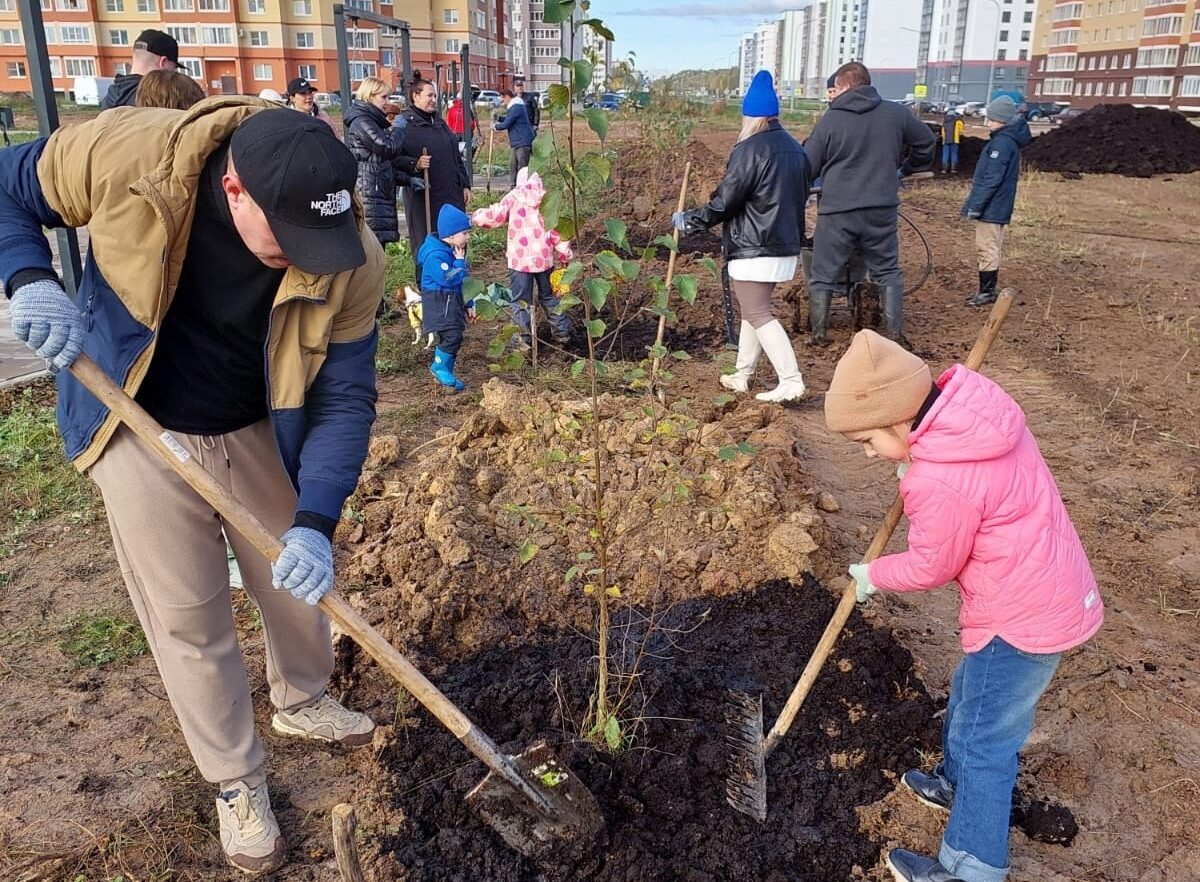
{"x": 746, "y": 783}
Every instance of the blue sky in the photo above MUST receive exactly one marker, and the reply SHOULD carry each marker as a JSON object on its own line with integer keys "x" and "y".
{"x": 671, "y": 35}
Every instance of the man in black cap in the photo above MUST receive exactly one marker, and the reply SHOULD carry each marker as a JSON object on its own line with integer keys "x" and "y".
{"x": 530, "y": 100}
{"x": 152, "y": 50}
{"x": 301, "y": 95}
{"x": 231, "y": 289}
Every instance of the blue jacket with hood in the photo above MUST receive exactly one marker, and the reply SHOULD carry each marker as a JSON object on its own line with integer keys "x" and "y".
{"x": 994, "y": 186}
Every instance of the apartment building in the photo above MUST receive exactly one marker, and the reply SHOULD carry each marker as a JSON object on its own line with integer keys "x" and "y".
{"x": 759, "y": 51}
{"x": 244, "y": 46}
{"x": 965, "y": 43}
{"x": 537, "y": 46}
{"x": 1141, "y": 52}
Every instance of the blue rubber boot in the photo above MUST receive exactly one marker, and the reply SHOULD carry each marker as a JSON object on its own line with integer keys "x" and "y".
{"x": 443, "y": 370}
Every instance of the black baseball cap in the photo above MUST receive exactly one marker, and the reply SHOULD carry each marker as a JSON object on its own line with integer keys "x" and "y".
{"x": 300, "y": 86}
{"x": 302, "y": 177}
{"x": 158, "y": 43}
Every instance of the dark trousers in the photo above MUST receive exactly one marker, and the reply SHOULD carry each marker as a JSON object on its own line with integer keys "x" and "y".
{"x": 520, "y": 159}
{"x": 873, "y": 231}
{"x": 444, "y": 313}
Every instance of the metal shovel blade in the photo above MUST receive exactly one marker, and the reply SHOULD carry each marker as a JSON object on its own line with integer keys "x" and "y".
{"x": 746, "y": 783}
{"x": 571, "y": 814}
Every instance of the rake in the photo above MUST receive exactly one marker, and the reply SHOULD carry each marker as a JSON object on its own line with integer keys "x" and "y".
{"x": 746, "y": 783}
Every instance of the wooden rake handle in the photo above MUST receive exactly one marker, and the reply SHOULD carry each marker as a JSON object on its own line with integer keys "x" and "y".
{"x": 170, "y": 451}
{"x": 846, "y": 605}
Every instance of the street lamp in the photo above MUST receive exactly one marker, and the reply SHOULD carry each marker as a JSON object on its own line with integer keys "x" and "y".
{"x": 992, "y": 64}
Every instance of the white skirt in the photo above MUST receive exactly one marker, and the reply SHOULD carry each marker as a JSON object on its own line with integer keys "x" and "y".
{"x": 763, "y": 269}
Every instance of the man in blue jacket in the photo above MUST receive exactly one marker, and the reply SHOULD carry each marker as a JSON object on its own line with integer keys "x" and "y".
{"x": 994, "y": 190}
{"x": 520, "y": 132}
{"x": 230, "y": 289}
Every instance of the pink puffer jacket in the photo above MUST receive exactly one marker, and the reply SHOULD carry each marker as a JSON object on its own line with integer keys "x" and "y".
{"x": 983, "y": 509}
{"x": 531, "y": 247}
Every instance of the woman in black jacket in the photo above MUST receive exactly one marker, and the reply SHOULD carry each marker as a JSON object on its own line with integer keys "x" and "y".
{"x": 448, "y": 181}
{"x": 760, "y": 201}
{"x": 376, "y": 144}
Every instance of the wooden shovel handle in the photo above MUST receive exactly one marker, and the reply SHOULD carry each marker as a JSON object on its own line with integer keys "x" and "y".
{"x": 846, "y": 605}
{"x": 170, "y": 451}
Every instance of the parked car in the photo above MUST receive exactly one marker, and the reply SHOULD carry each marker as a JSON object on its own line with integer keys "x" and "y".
{"x": 490, "y": 97}
{"x": 972, "y": 108}
{"x": 1040, "y": 110}
{"x": 609, "y": 101}
{"x": 325, "y": 100}
{"x": 1069, "y": 113}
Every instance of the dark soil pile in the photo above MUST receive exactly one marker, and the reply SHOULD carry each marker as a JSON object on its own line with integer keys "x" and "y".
{"x": 1119, "y": 139}
{"x": 663, "y": 799}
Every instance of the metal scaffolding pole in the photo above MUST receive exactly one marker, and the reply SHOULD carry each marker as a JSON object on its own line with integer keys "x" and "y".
{"x": 47, "y": 114}
{"x": 468, "y": 117}
{"x": 339, "y": 34}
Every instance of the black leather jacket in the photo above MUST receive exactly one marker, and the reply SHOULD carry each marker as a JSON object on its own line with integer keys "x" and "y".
{"x": 376, "y": 145}
{"x": 761, "y": 198}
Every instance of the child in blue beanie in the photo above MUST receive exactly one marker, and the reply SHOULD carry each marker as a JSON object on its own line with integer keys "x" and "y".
{"x": 443, "y": 262}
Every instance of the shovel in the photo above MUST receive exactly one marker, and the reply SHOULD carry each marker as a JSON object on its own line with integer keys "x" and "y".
{"x": 531, "y": 800}
{"x": 746, "y": 784}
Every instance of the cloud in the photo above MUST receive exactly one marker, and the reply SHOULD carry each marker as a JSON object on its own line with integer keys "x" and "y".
{"x": 714, "y": 10}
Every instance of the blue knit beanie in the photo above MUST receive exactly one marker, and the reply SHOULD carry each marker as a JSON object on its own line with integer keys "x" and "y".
{"x": 761, "y": 99}
{"x": 452, "y": 220}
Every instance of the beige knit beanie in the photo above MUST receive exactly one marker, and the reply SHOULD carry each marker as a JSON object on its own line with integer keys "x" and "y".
{"x": 876, "y": 384}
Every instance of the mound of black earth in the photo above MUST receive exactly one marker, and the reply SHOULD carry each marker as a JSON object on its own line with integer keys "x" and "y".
{"x": 663, "y": 795}
{"x": 1119, "y": 139}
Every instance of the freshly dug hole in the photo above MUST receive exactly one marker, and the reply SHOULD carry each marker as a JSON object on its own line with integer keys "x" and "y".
{"x": 663, "y": 798}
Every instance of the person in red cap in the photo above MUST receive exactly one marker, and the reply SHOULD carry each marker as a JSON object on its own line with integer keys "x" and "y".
{"x": 152, "y": 50}
{"x": 231, "y": 289}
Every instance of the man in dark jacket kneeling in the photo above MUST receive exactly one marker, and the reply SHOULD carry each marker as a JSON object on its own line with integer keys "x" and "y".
{"x": 856, "y": 150}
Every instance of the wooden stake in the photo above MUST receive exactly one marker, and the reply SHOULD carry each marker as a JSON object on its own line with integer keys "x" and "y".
{"x": 491, "y": 144}
{"x": 428, "y": 217}
{"x": 662, "y": 319}
{"x": 345, "y": 847}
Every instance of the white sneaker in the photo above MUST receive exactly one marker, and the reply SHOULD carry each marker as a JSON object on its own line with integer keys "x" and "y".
{"x": 249, "y": 833}
{"x": 325, "y": 720}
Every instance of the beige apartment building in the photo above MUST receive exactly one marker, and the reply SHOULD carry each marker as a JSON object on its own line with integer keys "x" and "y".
{"x": 244, "y": 46}
{"x": 1141, "y": 52}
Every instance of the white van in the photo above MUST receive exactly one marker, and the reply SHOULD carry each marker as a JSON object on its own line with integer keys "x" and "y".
{"x": 89, "y": 90}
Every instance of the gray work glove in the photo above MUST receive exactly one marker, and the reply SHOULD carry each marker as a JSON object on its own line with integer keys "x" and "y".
{"x": 45, "y": 319}
{"x": 679, "y": 220}
{"x": 862, "y": 583}
{"x": 305, "y": 566}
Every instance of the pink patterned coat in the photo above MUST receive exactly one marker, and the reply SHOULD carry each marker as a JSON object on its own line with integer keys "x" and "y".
{"x": 531, "y": 247}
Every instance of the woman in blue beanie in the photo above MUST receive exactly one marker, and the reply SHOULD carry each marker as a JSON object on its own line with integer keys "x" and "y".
{"x": 760, "y": 202}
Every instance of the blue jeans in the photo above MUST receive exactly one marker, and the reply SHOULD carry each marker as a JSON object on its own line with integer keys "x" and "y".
{"x": 993, "y": 697}
{"x": 949, "y": 156}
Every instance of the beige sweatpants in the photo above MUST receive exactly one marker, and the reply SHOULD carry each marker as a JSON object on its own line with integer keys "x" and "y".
{"x": 989, "y": 244}
{"x": 170, "y": 546}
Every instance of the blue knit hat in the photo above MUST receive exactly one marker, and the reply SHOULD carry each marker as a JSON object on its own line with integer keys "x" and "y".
{"x": 761, "y": 99}
{"x": 452, "y": 220}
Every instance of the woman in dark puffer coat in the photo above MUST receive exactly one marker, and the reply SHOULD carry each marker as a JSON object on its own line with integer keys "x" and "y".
{"x": 376, "y": 143}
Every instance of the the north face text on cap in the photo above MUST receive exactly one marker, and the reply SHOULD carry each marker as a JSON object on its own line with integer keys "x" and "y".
{"x": 333, "y": 203}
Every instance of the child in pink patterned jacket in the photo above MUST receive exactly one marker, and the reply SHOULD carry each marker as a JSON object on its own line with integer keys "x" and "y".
{"x": 532, "y": 250}
{"x": 983, "y": 509}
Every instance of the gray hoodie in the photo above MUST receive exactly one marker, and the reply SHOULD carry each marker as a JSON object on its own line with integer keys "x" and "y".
{"x": 857, "y": 147}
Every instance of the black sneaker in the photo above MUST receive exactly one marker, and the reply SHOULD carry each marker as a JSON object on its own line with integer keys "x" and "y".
{"x": 983, "y": 298}
{"x": 908, "y": 866}
{"x": 933, "y": 790}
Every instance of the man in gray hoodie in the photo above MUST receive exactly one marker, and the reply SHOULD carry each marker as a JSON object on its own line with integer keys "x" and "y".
{"x": 858, "y": 150}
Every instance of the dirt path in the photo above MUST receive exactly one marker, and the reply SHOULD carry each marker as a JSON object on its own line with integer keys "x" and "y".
{"x": 1101, "y": 350}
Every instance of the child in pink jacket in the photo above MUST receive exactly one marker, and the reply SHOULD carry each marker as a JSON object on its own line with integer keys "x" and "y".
{"x": 983, "y": 510}
{"x": 532, "y": 250}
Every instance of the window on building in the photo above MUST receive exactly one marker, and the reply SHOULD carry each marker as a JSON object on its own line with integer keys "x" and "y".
{"x": 301, "y": 7}
{"x": 73, "y": 6}
{"x": 1100, "y": 64}
{"x": 1153, "y": 87}
{"x": 1006, "y": 17}
{"x": 217, "y": 36}
{"x": 114, "y": 5}
{"x": 1001, "y": 54}
{"x": 177, "y": 6}
{"x": 55, "y": 66}
{"x": 10, "y": 37}
{"x": 305, "y": 39}
{"x": 362, "y": 69}
{"x": 184, "y": 36}
{"x": 256, "y": 7}
{"x": 192, "y": 67}
{"x": 121, "y": 67}
{"x": 1037, "y": 90}
{"x": 76, "y": 34}
{"x": 81, "y": 67}
{"x": 1025, "y": 35}
{"x": 213, "y": 5}
{"x": 263, "y": 72}
{"x": 260, "y": 38}
{"x": 1023, "y": 55}
{"x": 451, "y": 45}
{"x": 308, "y": 71}
{"x": 118, "y": 38}
{"x": 1128, "y": 60}
{"x": 450, "y": 16}
{"x": 364, "y": 39}
{"x": 1028, "y": 19}
{"x": 1124, "y": 89}
{"x": 16, "y": 70}
{"x": 1189, "y": 87}
{"x": 1158, "y": 56}
{"x": 1162, "y": 25}
{"x": 146, "y": 7}
{"x": 1092, "y": 63}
